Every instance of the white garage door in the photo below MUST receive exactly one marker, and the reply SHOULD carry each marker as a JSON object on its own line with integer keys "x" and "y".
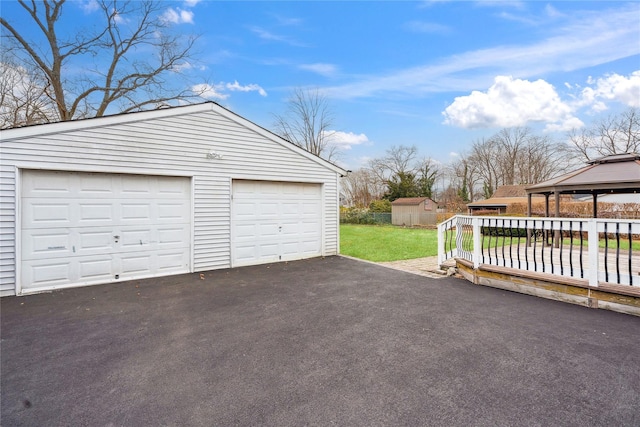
{"x": 89, "y": 228}
{"x": 275, "y": 221}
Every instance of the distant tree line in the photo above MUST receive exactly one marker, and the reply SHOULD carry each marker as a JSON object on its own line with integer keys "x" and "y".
{"x": 512, "y": 156}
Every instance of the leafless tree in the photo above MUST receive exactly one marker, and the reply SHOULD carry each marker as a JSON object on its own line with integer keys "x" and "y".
{"x": 307, "y": 123}
{"x": 360, "y": 187}
{"x": 615, "y": 134}
{"x": 23, "y": 99}
{"x": 115, "y": 74}
{"x": 512, "y": 156}
{"x": 463, "y": 171}
{"x": 398, "y": 159}
{"x": 485, "y": 158}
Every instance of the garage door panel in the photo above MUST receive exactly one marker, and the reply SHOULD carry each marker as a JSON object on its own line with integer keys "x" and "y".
{"x": 94, "y": 186}
{"x": 268, "y": 209}
{"x": 172, "y": 261}
{"x": 268, "y": 250}
{"x": 136, "y": 238}
{"x": 135, "y": 211}
{"x": 271, "y": 220}
{"x": 310, "y": 208}
{"x": 105, "y": 227}
{"x": 95, "y": 269}
{"x": 47, "y": 272}
{"x": 138, "y": 186}
{"x": 309, "y": 246}
{"x": 169, "y": 236}
{"x": 47, "y": 242}
{"x": 171, "y": 211}
{"x": 90, "y": 213}
{"x": 135, "y": 263}
{"x": 54, "y": 185}
{"x": 171, "y": 188}
{"x": 267, "y": 231}
{"x": 46, "y": 213}
{"x": 95, "y": 239}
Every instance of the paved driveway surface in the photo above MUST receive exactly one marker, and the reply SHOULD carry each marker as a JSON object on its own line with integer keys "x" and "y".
{"x": 327, "y": 341}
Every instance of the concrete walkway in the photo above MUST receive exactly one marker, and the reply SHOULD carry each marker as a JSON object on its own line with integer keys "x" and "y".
{"x": 427, "y": 267}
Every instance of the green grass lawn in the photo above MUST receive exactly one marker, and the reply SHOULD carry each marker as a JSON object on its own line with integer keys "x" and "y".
{"x": 381, "y": 243}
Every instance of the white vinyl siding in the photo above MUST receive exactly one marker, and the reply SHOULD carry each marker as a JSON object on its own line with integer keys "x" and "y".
{"x": 171, "y": 142}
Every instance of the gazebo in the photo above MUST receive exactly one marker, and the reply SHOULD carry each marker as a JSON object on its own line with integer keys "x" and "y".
{"x": 614, "y": 174}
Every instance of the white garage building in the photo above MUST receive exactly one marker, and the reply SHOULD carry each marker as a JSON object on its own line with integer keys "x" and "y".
{"x": 170, "y": 191}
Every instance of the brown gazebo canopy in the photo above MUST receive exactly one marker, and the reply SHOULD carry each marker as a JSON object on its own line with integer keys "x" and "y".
{"x": 615, "y": 174}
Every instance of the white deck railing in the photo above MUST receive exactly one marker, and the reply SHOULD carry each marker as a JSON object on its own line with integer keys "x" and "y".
{"x": 597, "y": 250}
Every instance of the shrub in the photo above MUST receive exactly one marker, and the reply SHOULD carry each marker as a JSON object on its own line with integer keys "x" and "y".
{"x": 380, "y": 206}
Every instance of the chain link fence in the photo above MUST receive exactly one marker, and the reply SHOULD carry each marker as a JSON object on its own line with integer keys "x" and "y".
{"x": 365, "y": 217}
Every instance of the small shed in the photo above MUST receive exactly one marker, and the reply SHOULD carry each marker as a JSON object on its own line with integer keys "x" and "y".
{"x": 155, "y": 193}
{"x": 410, "y": 211}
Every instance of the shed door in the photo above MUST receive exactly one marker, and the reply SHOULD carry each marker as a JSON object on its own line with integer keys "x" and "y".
{"x": 275, "y": 221}
{"x": 88, "y": 228}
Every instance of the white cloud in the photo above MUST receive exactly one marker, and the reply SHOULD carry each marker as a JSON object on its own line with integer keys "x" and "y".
{"x": 269, "y": 36}
{"x": 510, "y": 102}
{"x": 90, "y": 6}
{"x": 191, "y": 3}
{"x": 235, "y": 86}
{"x": 614, "y": 87}
{"x": 119, "y": 19}
{"x": 178, "y": 16}
{"x": 219, "y": 90}
{"x": 208, "y": 91}
{"x": 346, "y": 140}
{"x": 326, "y": 70}
{"x": 187, "y": 66}
{"x": 552, "y": 12}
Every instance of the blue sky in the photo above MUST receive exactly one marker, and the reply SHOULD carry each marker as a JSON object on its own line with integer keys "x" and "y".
{"x": 438, "y": 75}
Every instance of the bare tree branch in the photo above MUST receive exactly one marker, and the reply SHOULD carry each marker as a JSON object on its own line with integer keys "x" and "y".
{"x": 617, "y": 134}
{"x": 307, "y": 123}
{"x": 128, "y": 28}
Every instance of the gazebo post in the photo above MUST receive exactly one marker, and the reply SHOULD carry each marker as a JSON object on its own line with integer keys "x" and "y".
{"x": 595, "y": 205}
{"x": 556, "y": 233}
{"x": 529, "y": 216}
{"x": 546, "y": 215}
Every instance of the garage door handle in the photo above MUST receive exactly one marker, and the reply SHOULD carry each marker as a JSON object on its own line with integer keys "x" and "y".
{"x": 116, "y": 237}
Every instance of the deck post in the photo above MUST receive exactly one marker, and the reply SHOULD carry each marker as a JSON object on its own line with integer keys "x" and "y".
{"x": 477, "y": 242}
{"x": 593, "y": 242}
{"x": 441, "y": 230}
{"x": 556, "y": 233}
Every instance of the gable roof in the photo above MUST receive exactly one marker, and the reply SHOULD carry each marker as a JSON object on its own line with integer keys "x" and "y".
{"x": 504, "y": 196}
{"x": 408, "y": 201}
{"x": 73, "y": 125}
{"x": 618, "y": 173}
{"x": 510, "y": 191}
{"x": 502, "y": 202}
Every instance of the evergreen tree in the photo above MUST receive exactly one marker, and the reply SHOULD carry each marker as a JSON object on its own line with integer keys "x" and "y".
{"x": 403, "y": 184}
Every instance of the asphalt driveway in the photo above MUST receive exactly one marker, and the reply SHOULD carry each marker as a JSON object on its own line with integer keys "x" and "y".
{"x": 331, "y": 341}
